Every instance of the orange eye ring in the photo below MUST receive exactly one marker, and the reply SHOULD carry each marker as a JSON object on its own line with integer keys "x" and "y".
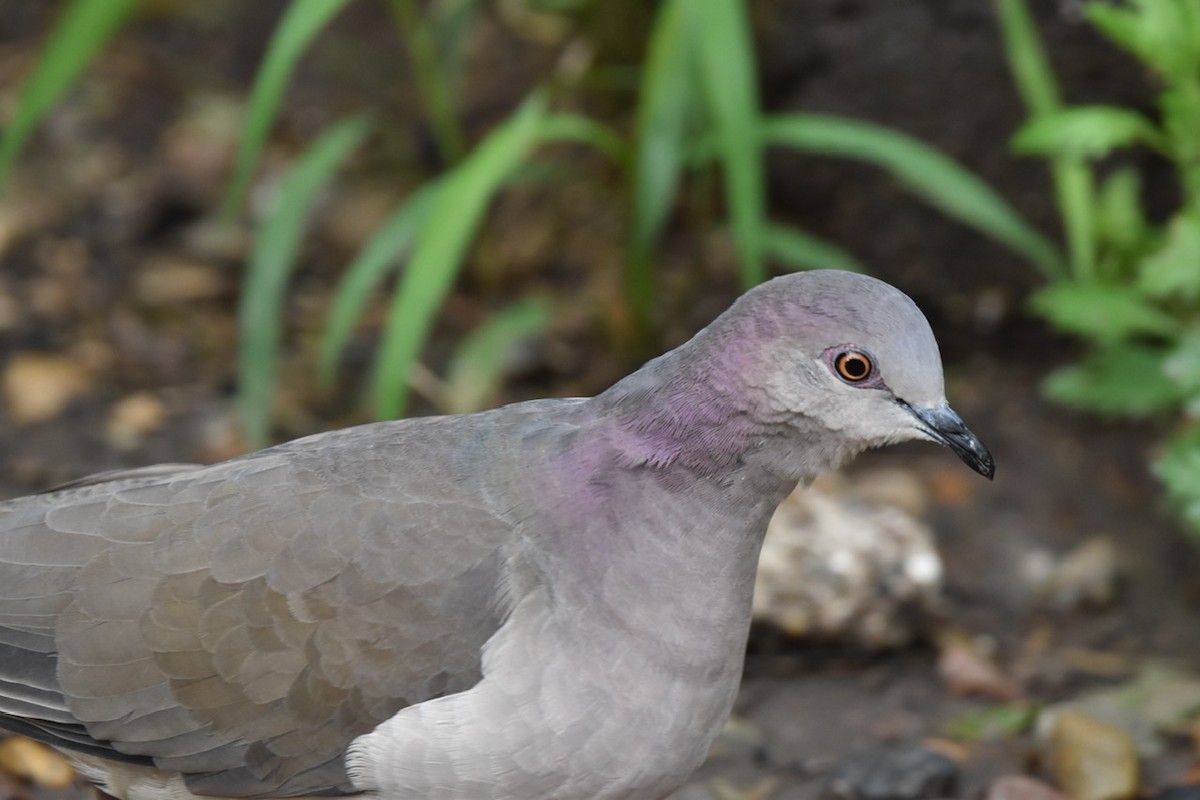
{"x": 853, "y": 366}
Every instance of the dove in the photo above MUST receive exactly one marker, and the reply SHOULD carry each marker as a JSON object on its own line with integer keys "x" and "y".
{"x": 545, "y": 600}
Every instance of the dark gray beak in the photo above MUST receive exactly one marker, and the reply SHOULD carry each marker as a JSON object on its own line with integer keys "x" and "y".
{"x": 945, "y": 426}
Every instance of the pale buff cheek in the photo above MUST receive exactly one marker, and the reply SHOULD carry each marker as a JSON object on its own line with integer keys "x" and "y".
{"x": 783, "y": 393}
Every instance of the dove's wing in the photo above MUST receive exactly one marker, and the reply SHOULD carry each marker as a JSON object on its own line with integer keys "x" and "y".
{"x": 242, "y": 622}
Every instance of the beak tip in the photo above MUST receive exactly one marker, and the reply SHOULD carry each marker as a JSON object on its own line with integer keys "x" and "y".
{"x": 946, "y": 427}
{"x": 987, "y": 470}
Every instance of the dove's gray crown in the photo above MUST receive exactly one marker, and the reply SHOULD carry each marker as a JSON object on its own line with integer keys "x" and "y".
{"x": 546, "y": 600}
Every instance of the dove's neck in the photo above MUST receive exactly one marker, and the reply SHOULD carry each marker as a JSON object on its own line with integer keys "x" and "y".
{"x": 701, "y": 409}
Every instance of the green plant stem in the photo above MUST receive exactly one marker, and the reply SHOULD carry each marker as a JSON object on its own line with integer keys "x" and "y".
{"x": 1073, "y": 180}
{"x": 433, "y": 79}
{"x": 1074, "y": 190}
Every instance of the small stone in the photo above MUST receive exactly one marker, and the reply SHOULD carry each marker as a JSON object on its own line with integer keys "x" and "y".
{"x": 1090, "y": 759}
{"x": 1158, "y": 699}
{"x": 1085, "y": 578}
{"x": 171, "y": 280}
{"x": 832, "y": 566}
{"x": 896, "y": 771}
{"x": 32, "y": 761}
{"x": 38, "y": 386}
{"x": 199, "y": 147}
{"x": 357, "y": 215}
{"x": 1022, "y": 787}
{"x": 134, "y": 418}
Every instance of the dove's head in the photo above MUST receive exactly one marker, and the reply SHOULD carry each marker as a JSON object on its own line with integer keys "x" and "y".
{"x": 848, "y": 353}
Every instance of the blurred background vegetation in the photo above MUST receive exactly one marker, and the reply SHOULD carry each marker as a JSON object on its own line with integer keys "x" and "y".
{"x": 489, "y": 194}
{"x": 229, "y": 223}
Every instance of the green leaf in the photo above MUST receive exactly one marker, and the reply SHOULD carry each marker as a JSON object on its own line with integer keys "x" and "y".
{"x": 1104, "y": 313}
{"x": 1121, "y": 24}
{"x": 1165, "y": 34}
{"x": 480, "y": 363}
{"x": 378, "y": 257}
{"x": 1174, "y": 269}
{"x": 795, "y": 250}
{"x": 271, "y": 262}
{"x": 1119, "y": 210}
{"x": 1122, "y": 380}
{"x": 583, "y": 130}
{"x": 1085, "y": 132}
{"x": 458, "y": 208}
{"x": 301, "y": 22}
{"x": 1182, "y": 367}
{"x": 720, "y": 31}
{"x": 933, "y": 177}
{"x": 1179, "y": 469}
{"x": 83, "y": 28}
{"x": 666, "y": 96}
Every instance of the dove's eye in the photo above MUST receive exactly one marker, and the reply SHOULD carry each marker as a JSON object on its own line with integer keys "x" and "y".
{"x": 853, "y": 366}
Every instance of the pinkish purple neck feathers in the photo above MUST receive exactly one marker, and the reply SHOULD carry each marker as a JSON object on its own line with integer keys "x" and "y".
{"x": 693, "y": 406}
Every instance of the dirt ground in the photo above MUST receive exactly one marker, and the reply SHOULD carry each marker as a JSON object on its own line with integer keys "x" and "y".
{"x": 122, "y": 185}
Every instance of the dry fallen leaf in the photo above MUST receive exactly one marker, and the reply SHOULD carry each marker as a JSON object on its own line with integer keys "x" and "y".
{"x": 966, "y": 670}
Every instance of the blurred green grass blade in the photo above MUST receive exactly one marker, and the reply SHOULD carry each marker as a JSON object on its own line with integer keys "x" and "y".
{"x": 581, "y": 129}
{"x": 271, "y": 262}
{"x": 665, "y": 97}
{"x": 728, "y": 82}
{"x": 479, "y": 365}
{"x": 796, "y": 250}
{"x": 930, "y": 175}
{"x": 370, "y": 266}
{"x": 300, "y": 23}
{"x": 83, "y": 28}
{"x": 1026, "y": 57}
{"x": 456, "y": 212}
{"x": 1073, "y": 181}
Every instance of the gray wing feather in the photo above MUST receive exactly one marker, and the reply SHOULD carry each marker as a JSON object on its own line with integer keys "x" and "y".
{"x": 242, "y": 622}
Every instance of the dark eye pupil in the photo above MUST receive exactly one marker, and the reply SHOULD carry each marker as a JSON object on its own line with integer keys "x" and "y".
{"x": 854, "y": 366}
